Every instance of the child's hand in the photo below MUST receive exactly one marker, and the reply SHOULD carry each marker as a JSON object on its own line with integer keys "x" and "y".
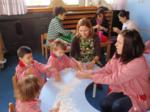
{"x": 90, "y": 65}
{"x": 80, "y": 66}
{"x": 29, "y": 71}
{"x": 57, "y": 77}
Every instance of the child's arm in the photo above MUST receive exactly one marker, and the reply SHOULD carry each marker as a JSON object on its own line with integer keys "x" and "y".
{"x": 76, "y": 64}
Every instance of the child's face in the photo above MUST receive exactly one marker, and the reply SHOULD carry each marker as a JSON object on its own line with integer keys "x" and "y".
{"x": 100, "y": 16}
{"x": 59, "y": 52}
{"x": 27, "y": 59}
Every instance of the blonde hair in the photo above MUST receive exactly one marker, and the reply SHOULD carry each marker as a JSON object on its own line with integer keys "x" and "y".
{"x": 57, "y": 43}
{"x": 28, "y": 88}
{"x": 84, "y": 22}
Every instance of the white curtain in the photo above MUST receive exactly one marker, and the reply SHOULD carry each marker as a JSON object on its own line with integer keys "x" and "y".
{"x": 12, "y": 7}
{"x": 119, "y": 4}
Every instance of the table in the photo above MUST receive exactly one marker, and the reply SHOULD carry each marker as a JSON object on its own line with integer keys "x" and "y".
{"x": 70, "y": 92}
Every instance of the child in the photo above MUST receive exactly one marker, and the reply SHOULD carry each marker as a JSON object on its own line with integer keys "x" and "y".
{"x": 28, "y": 90}
{"x": 100, "y": 25}
{"x": 59, "y": 60}
{"x": 27, "y": 65}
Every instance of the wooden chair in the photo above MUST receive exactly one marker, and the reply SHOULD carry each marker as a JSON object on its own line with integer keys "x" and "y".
{"x": 44, "y": 47}
{"x": 11, "y": 107}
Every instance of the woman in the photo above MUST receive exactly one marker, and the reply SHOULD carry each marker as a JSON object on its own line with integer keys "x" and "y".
{"x": 127, "y": 23}
{"x": 86, "y": 45}
{"x": 56, "y": 29}
{"x": 126, "y": 74}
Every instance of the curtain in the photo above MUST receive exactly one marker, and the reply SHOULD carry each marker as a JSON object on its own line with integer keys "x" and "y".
{"x": 119, "y": 4}
{"x": 12, "y": 7}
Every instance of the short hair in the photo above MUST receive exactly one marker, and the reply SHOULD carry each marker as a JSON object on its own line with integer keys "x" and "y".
{"x": 28, "y": 88}
{"x": 124, "y": 13}
{"x": 133, "y": 46}
{"x": 23, "y": 50}
{"x": 84, "y": 22}
{"x": 59, "y": 10}
{"x": 58, "y": 43}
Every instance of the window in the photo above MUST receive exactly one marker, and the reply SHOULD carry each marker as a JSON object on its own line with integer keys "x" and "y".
{"x": 47, "y": 2}
{"x": 37, "y": 2}
{"x": 71, "y": 2}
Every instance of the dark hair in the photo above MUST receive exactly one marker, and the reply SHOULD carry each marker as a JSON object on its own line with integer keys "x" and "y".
{"x": 100, "y": 11}
{"x": 133, "y": 46}
{"x": 28, "y": 88}
{"x": 123, "y": 13}
{"x": 23, "y": 50}
{"x": 59, "y": 10}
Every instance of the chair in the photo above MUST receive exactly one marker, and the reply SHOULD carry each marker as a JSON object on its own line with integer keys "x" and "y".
{"x": 11, "y": 107}
{"x": 44, "y": 47}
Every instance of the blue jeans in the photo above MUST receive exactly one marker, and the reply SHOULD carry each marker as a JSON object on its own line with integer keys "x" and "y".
{"x": 116, "y": 102}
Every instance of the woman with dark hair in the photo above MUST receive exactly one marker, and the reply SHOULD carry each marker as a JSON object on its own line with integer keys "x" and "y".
{"x": 127, "y": 23}
{"x": 56, "y": 29}
{"x": 85, "y": 46}
{"x": 127, "y": 75}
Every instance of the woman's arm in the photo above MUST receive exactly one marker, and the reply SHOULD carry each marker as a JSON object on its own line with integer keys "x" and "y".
{"x": 122, "y": 74}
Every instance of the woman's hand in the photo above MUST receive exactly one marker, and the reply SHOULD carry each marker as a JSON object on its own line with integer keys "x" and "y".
{"x": 83, "y": 75}
{"x": 115, "y": 29}
{"x": 56, "y": 109}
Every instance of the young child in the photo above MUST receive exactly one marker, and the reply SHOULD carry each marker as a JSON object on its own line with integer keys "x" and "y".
{"x": 28, "y": 90}
{"x": 27, "y": 65}
{"x": 59, "y": 60}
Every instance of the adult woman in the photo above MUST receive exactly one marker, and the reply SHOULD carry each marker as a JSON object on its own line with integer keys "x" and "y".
{"x": 127, "y": 23}
{"x": 86, "y": 45}
{"x": 55, "y": 27}
{"x": 127, "y": 75}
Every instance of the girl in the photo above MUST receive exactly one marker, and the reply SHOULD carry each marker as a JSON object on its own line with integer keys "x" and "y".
{"x": 86, "y": 45}
{"x": 127, "y": 75}
{"x": 28, "y": 91}
{"x": 59, "y": 60}
{"x": 100, "y": 25}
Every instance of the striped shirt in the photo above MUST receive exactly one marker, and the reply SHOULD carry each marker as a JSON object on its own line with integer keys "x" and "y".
{"x": 56, "y": 29}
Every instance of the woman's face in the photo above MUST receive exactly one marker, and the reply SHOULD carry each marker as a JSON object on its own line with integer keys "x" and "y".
{"x": 122, "y": 19}
{"x": 84, "y": 31}
{"x": 119, "y": 44}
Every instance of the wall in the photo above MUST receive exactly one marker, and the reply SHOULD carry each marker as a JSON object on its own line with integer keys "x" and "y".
{"x": 24, "y": 30}
{"x": 140, "y": 13}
